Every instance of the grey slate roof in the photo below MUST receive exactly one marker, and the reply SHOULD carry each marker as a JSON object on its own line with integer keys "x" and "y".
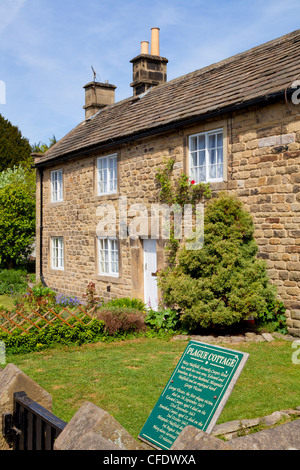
{"x": 263, "y": 71}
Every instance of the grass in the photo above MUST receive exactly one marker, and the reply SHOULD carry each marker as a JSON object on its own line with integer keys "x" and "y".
{"x": 127, "y": 378}
{"x": 7, "y": 301}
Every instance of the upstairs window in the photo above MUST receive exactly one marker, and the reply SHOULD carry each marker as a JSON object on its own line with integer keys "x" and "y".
{"x": 108, "y": 256}
{"x": 57, "y": 253}
{"x": 56, "y": 185}
{"x": 107, "y": 174}
{"x": 206, "y": 156}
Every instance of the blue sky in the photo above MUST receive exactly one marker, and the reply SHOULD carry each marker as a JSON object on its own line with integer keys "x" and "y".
{"x": 47, "y": 48}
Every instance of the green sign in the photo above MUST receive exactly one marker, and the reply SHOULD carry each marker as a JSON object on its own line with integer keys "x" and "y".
{"x": 195, "y": 394}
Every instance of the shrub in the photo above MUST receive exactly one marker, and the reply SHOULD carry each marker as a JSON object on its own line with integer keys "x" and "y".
{"x": 121, "y": 320}
{"x": 273, "y": 317}
{"x": 92, "y": 300}
{"x": 51, "y": 335}
{"x": 224, "y": 282}
{"x": 12, "y": 281}
{"x": 38, "y": 298}
{"x": 166, "y": 319}
{"x": 41, "y": 298}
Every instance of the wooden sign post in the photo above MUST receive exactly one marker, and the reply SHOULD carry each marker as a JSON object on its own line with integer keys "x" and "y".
{"x": 195, "y": 394}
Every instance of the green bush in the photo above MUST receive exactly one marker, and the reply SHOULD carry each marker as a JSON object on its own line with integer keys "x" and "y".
{"x": 51, "y": 335}
{"x": 223, "y": 283}
{"x": 273, "y": 317}
{"x": 166, "y": 319}
{"x": 12, "y": 281}
{"x": 41, "y": 298}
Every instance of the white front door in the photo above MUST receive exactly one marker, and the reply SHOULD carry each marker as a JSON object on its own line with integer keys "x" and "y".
{"x": 150, "y": 278}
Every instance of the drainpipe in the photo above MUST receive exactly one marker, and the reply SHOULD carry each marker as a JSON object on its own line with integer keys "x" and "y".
{"x": 41, "y": 227}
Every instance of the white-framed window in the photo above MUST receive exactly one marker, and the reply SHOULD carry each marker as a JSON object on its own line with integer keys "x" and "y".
{"x": 108, "y": 256}
{"x": 56, "y": 185}
{"x": 107, "y": 174}
{"x": 57, "y": 253}
{"x": 206, "y": 156}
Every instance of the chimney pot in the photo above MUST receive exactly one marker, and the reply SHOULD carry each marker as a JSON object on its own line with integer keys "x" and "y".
{"x": 155, "y": 41}
{"x": 144, "y": 47}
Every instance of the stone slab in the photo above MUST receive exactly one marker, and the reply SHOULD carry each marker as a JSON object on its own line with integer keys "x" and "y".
{"x": 283, "y": 437}
{"x": 14, "y": 380}
{"x": 233, "y": 426}
{"x": 92, "y": 441}
{"x": 268, "y": 337}
{"x": 192, "y": 438}
{"x": 105, "y": 431}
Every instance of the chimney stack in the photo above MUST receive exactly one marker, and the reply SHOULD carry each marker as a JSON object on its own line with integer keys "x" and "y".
{"x": 149, "y": 69}
{"x": 97, "y": 96}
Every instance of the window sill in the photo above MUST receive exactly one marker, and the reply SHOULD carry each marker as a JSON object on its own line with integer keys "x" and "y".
{"x": 109, "y": 278}
{"x": 218, "y": 185}
{"x": 107, "y": 196}
{"x": 59, "y": 203}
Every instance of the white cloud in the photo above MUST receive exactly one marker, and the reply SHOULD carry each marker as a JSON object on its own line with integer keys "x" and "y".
{"x": 9, "y": 9}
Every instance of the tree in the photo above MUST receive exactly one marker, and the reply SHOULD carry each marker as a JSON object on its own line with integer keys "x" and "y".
{"x": 19, "y": 177}
{"x": 17, "y": 225}
{"x": 42, "y": 147}
{"x": 14, "y": 148}
{"x": 224, "y": 282}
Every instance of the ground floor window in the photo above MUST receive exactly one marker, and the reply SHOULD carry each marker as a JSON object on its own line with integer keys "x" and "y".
{"x": 108, "y": 256}
{"x": 57, "y": 253}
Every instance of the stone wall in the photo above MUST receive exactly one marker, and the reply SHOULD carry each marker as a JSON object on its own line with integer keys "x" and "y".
{"x": 262, "y": 156}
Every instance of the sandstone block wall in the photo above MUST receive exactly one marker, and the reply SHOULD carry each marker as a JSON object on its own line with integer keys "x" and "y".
{"x": 264, "y": 166}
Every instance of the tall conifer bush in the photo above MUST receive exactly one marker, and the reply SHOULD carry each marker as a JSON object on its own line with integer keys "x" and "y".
{"x": 224, "y": 282}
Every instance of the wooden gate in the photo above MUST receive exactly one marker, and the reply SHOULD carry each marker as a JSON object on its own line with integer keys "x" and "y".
{"x": 30, "y": 426}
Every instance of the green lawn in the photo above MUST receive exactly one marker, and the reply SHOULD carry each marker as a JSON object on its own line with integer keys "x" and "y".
{"x": 6, "y": 301}
{"x": 126, "y": 378}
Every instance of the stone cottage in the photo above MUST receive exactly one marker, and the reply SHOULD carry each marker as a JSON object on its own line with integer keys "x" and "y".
{"x": 234, "y": 124}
